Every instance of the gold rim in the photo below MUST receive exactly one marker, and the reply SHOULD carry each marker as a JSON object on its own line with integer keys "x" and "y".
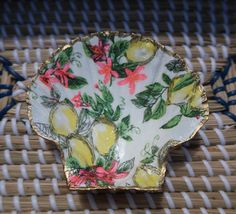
{"x": 173, "y": 144}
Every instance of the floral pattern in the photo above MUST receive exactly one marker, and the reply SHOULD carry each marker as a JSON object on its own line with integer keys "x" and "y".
{"x": 106, "y": 70}
{"x": 104, "y": 98}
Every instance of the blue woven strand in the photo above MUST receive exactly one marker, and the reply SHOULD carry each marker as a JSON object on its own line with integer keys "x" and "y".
{"x": 219, "y": 89}
{"x": 6, "y": 86}
{"x": 231, "y": 93}
{"x": 232, "y": 102}
{"x": 5, "y": 94}
{"x": 230, "y": 114}
{"x": 5, "y": 109}
{"x": 223, "y": 74}
{"x": 7, "y": 66}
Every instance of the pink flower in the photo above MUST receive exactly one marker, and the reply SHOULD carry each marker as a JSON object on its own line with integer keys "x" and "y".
{"x": 48, "y": 78}
{"x": 99, "y": 51}
{"x": 77, "y": 101}
{"x": 109, "y": 175}
{"x": 95, "y": 174}
{"x": 62, "y": 74}
{"x": 106, "y": 70}
{"x": 132, "y": 78}
{"x": 84, "y": 176}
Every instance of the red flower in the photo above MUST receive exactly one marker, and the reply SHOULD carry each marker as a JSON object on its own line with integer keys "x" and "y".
{"x": 77, "y": 101}
{"x": 83, "y": 177}
{"x": 47, "y": 78}
{"x": 106, "y": 70}
{"x": 96, "y": 174}
{"x": 109, "y": 175}
{"x": 62, "y": 74}
{"x": 132, "y": 78}
{"x": 99, "y": 51}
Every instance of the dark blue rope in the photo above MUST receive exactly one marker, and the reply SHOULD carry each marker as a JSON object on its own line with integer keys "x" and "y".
{"x": 231, "y": 93}
{"x": 230, "y": 114}
{"x": 219, "y": 89}
{"x": 223, "y": 74}
{"x": 7, "y": 66}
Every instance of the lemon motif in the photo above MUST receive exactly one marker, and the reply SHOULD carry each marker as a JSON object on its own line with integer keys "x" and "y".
{"x": 141, "y": 50}
{"x": 63, "y": 119}
{"x": 195, "y": 100}
{"x": 146, "y": 176}
{"x": 182, "y": 95}
{"x": 81, "y": 150}
{"x": 104, "y": 135}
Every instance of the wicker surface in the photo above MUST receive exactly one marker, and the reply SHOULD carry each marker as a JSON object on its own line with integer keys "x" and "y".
{"x": 201, "y": 175}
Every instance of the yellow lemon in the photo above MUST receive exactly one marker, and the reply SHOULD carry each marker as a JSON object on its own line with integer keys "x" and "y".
{"x": 141, "y": 50}
{"x": 195, "y": 100}
{"x": 81, "y": 150}
{"x": 181, "y": 95}
{"x": 104, "y": 135}
{"x": 146, "y": 176}
{"x": 63, "y": 119}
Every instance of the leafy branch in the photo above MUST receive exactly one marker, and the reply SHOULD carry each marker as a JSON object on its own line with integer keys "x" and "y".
{"x": 102, "y": 105}
{"x": 124, "y": 128}
{"x": 151, "y": 99}
{"x": 185, "y": 110}
{"x": 175, "y": 65}
{"x": 149, "y": 154}
{"x": 116, "y": 51}
{"x": 51, "y": 101}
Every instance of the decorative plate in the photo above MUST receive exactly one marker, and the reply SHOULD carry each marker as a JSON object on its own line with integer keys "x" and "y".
{"x": 115, "y": 104}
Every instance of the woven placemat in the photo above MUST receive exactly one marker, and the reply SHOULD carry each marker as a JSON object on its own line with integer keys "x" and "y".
{"x": 201, "y": 175}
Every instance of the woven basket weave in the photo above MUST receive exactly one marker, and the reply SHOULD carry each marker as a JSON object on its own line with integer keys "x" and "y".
{"x": 201, "y": 175}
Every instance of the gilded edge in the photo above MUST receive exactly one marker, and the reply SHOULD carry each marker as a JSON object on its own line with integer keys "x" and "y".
{"x": 172, "y": 145}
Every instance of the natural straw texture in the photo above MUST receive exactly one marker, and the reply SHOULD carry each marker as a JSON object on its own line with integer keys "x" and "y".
{"x": 201, "y": 174}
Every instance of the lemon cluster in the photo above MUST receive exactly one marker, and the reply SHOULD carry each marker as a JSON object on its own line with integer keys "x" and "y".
{"x": 64, "y": 121}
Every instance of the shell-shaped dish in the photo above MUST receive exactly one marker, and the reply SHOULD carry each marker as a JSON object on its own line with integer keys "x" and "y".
{"x": 115, "y": 104}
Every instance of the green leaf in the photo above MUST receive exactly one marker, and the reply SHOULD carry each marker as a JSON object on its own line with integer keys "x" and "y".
{"x": 186, "y": 80}
{"x": 86, "y": 50}
{"x": 68, "y": 51}
{"x": 175, "y": 65}
{"x": 154, "y": 149}
{"x": 67, "y": 101}
{"x": 148, "y": 160}
{"x": 72, "y": 163}
{"x": 120, "y": 68}
{"x": 140, "y": 103}
{"x": 107, "y": 96}
{"x": 93, "y": 114}
{"x": 64, "y": 56}
{"x": 155, "y": 88}
{"x": 126, "y": 166}
{"x": 189, "y": 111}
{"x": 147, "y": 114}
{"x": 159, "y": 109}
{"x": 116, "y": 114}
{"x": 92, "y": 103}
{"x": 112, "y": 155}
{"x": 174, "y": 121}
{"x": 77, "y": 82}
{"x": 166, "y": 79}
{"x": 127, "y": 137}
{"x": 100, "y": 161}
{"x": 100, "y": 100}
{"x": 55, "y": 93}
{"x": 48, "y": 102}
{"x": 126, "y": 120}
{"x": 118, "y": 48}
{"x": 102, "y": 183}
